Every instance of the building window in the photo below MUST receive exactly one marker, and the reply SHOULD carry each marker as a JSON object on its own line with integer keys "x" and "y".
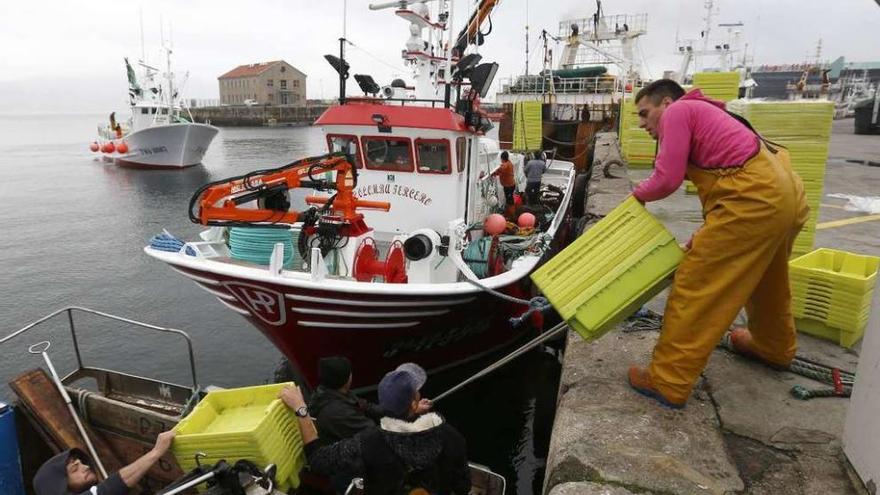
{"x": 270, "y": 83}
{"x": 271, "y": 97}
{"x": 347, "y": 144}
{"x": 284, "y": 98}
{"x": 284, "y": 84}
{"x": 433, "y": 156}
{"x": 283, "y": 68}
{"x": 296, "y": 83}
{"x": 461, "y": 147}
{"x": 386, "y": 153}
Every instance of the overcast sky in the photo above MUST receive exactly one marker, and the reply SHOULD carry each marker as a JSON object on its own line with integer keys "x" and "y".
{"x": 65, "y": 56}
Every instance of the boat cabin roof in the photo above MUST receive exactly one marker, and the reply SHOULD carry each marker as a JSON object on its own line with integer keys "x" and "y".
{"x": 366, "y": 112}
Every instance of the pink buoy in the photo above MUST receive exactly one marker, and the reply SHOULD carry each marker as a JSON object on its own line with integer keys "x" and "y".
{"x": 495, "y": 224}
{"x": 122, "y": 148}
{"x": 526, "y": 220}
{"x": 94, "y": 147}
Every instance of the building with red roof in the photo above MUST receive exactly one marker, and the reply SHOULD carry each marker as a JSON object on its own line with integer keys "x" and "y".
{"x": 265, "y": 83}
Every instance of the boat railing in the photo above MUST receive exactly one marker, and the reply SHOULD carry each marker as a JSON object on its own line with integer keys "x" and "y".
{"x": 540, "y": 85}
{"x": 115, "y": 383}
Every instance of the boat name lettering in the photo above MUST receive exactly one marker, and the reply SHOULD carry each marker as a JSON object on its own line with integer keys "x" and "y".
{"x": 437, "y": 339}
{"x": 394, "y": 190}
{"x": 150, "y": 151}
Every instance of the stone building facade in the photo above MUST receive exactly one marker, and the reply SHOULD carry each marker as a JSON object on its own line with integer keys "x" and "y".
{"x": 268, "y": 83}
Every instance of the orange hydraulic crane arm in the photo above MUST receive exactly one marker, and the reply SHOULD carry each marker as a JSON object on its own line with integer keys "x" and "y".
{"x": 468, "y": 34}
{"x": 218, "y": 203}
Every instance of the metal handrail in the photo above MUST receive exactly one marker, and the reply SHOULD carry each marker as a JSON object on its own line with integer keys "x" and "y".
{"x": 70, "y": 309}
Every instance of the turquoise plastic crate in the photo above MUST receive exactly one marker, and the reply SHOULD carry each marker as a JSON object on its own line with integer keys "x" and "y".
{"x": 611, "y": 270}
{"x": 245, "y": 423}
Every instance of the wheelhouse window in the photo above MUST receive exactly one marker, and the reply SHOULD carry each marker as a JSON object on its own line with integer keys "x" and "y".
{"x": 433, "y": 156}
{"x": 461, "y": 148}
{"x": 388, "y": 153}
{"x": 347, "y": 144}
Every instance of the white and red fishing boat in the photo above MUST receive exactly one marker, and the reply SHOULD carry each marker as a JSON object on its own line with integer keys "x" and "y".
{"x": 394, "y": 265}
{"x": 161, "y": 132}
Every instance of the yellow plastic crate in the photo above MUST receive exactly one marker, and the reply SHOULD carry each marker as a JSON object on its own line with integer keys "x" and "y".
{"x": 611, "y": 270}
{"x": 245, "y": 423}
{"x": 844, "y": 337}
{"x": 527, "y": 125}
{"x": 832, "y": 292}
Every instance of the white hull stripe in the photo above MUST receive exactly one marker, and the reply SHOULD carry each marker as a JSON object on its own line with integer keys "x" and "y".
{"x": 236, "y": 309}
{"x": 194, "y": 277}
{"x": 330, "y": 324}
{"x": 361, "y": 314}
{"x": 384, "y": 304}
{"x": 221, "y": 295}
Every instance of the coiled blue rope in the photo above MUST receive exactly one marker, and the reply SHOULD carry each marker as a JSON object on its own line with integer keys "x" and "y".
{"x": 167, "y": 242}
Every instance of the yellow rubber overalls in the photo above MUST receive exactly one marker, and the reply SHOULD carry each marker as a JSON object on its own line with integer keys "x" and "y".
{"x": 738, "y": 258}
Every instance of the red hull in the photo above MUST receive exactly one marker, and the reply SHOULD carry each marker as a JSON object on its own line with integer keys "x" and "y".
{"x": 375, "y": 334}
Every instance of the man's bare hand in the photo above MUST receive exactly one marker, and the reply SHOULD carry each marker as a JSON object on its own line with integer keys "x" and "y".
{"x": 292, "y": 397}
{"x": 425, "y": 405}
{"x": 163, "y": 442}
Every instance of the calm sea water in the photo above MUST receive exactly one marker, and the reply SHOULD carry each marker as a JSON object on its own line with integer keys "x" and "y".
{"x": 72, "y": 230}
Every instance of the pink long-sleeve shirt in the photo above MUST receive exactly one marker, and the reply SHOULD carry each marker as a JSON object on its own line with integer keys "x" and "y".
{"x": 695, "y": 129}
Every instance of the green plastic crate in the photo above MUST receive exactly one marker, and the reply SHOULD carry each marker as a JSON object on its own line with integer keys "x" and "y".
{"x": 245, "y": 423}
{"x": 611, "y": 270}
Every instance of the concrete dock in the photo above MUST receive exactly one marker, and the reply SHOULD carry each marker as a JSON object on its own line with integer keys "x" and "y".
{"x": 742, "y": 431}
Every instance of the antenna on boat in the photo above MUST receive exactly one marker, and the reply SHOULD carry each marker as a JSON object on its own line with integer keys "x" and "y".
{"x": 143, "y": 54}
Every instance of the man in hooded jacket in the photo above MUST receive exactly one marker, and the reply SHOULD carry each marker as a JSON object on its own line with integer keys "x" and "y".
{"x": 71, "y": 473}
{"x": 406, "y": 452}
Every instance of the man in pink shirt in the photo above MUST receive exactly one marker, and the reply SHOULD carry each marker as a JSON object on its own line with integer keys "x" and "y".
{"x": 753, "y": 208}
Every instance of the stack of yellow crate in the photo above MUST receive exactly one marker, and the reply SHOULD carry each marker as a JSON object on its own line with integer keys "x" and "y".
{"x": 804, "y": 127}
{"x": 609, "y": 272}
{"x": 831, "y": 293}
{"x": 527, "y": 126}
{"x": 248, "y": 423}
{"x": 637, "y": 147}
{"x": 722, "y": 86}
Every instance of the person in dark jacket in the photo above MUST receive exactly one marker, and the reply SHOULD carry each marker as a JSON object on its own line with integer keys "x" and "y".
{"x": 339, "y": 413}
{"x": 71, "y": 473}
{"x": 406, "y": 452}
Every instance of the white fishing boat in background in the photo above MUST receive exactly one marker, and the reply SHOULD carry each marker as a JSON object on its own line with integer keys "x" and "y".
{"x": 160, "y": 133}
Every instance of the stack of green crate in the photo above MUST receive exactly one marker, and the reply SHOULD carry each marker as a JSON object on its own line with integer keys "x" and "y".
{"x": 831, "y": 293}
{"x": 722, "y": 86}
{"x": 248, "y": 423}
{"x": 610, "y": 271}
{"x": 804, "y": 127}
{"x": 527, "y": 126}
{"x": 637, "y": 147}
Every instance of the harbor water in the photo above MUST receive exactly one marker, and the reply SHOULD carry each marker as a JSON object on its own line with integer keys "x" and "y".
{"x": 72, "y": 232}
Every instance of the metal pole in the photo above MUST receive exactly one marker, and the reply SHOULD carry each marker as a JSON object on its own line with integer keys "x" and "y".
{"x": 190, "y": 484}
{"x": 553, "y": 332}
{"x": 342, "y": 74}
{"x": 41, "y": 348}
{"x": 73, "y": 337}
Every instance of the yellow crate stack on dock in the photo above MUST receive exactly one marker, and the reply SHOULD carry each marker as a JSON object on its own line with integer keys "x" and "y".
{"x": 636, "y": 146}
{"x": 527, "y": 126}
{"x": 722, "y": 86}
{"x": 831, "y": 293}
{"x": 248, "y": 423}
{"x": 804, "y": 127}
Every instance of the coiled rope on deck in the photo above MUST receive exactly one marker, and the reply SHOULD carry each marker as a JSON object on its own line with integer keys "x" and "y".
{"x": 255, "y": 244}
